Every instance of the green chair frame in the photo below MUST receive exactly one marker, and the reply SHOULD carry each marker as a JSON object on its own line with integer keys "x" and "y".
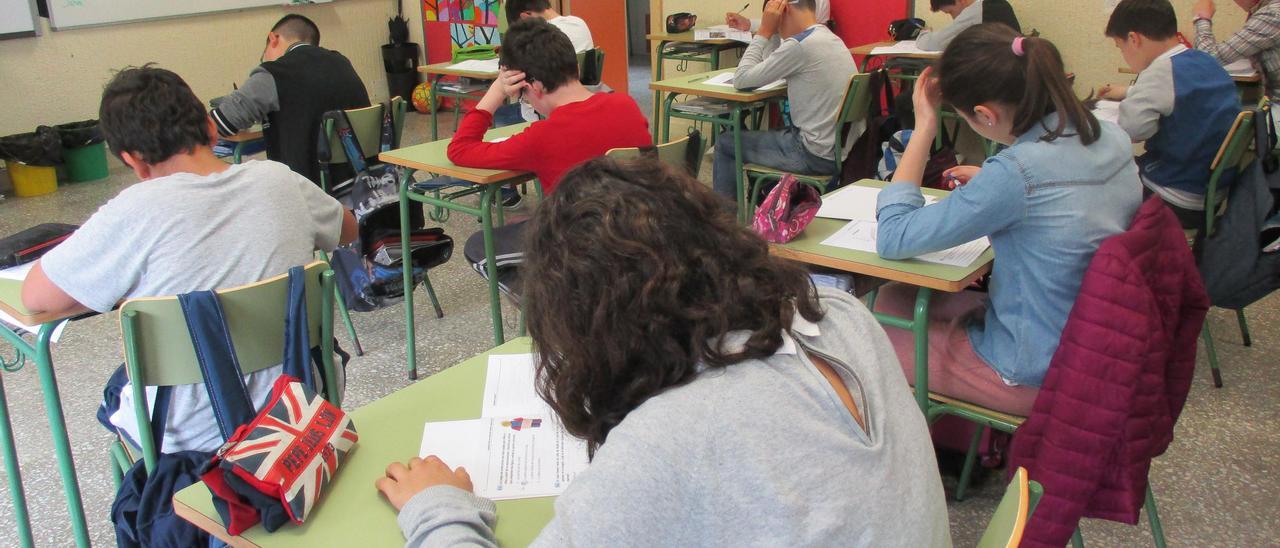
{"x": 366, "y": 123}
{"x": 158, "y": 349}
{"x": 853, "y": 109}
{"x": 673, "y": 154}
{"x": 1231, "y": 155}
{"x": 1009, "y": 521}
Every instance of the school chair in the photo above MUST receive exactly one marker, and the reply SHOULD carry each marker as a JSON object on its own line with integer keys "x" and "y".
{"x": 1011, "y": 515}
{"x": 853, "y": 109}
{"x": 1231, "y": 156}
{"x": 158, "y": 350}
{"x": 677, "y": 153}
{"x": 366, "y": 123}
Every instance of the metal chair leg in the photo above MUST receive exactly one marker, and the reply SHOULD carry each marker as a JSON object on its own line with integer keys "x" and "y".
{"x": 1244, "y": 328}
{"x": 431, "y": 292}
{"x": 1077, "y": 540}
{"x": 346, "y": 319}
{"x": 970, "y": 459}
{"x": 1157, "y": 530}
{"x": 1213, "y": 355}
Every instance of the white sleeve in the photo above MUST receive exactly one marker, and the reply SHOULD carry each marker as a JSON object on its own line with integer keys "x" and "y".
{"x": 1148, "y": 99}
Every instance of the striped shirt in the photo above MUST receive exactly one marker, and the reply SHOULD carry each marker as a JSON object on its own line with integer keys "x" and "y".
{"x": 1258, "y": 41}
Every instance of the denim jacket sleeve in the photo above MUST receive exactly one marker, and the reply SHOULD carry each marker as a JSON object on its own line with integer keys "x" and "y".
{"x": 991, "y": 201}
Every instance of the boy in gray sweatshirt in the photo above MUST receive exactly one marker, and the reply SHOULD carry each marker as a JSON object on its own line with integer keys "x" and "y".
{"x": 816, "y": 65}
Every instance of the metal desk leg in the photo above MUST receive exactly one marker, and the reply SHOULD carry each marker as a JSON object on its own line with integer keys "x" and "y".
{"x": 487, "y": 198}
{"x": 411, "y": 342}
{"x": 236, "y": 152}
{"x": 16, "y": 492}
{"x": 920, "y": 334}
{"x": 657, "y": 77}
{"x": 665, "y": 121}
{"x": 432, "y": 106}
{"x": 736, "y": 119}
{"x": 58, "y": 429}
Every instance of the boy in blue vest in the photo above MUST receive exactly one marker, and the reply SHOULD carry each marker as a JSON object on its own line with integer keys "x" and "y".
{"x": 1182, "y": 104}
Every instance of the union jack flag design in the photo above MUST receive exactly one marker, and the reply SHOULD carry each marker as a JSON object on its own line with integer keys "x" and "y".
{"x": 293, "y": 450}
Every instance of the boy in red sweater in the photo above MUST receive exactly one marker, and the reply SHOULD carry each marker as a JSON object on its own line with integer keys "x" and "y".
{"x": 539, "y": 67}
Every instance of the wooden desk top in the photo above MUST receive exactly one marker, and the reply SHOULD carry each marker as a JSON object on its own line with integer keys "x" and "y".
{"x": 11, "y": 304}
{"x": 353, "y": 513}
{"x": 808, "y": 249}
{"x": 689, "y": 84}
{"x": 687, "y": 38}
{"x": 253, "y": 134}
{"x": 865, "y": 49}
{"x": 444, "y": 70}
{"x": 1254, "y": 78}
{"x": 433, "y": 157}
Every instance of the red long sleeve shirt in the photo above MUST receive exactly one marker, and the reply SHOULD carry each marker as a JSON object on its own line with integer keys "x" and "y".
{"x": 574, "y": 133}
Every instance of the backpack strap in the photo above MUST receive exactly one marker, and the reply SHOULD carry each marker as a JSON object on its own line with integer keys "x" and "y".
{"x": 350, "y": 143}
{"x": 297, "y": 332}
{"x": 389, "y": 137}
{"x": 216, "y": 356}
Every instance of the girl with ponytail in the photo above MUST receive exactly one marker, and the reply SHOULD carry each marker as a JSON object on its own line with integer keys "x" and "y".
{"x": 1064, "y": 183}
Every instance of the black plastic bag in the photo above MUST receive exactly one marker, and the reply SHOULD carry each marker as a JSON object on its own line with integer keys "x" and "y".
{"x": 41, "y": 148}
{"x": 79, "y": 134}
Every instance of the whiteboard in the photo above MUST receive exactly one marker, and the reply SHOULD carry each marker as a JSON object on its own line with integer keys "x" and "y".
{"x": 17, "y": 18}
{"x": 65, "y": 14}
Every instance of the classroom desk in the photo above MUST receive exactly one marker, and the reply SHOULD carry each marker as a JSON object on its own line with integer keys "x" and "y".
{"x": 353, "y": 513}
{"x": 433, "y": 158}
{"x": 437, "y": 71}
{"x": 690, "y": 84}
{"x": 866, "y": 49}
{"x": 709, "y": 53}
{"x": 242, "y": 140}
{"x": 927, "y": 277}
{"x": 11, "y": 303}
{"x": 1246, "y": 79}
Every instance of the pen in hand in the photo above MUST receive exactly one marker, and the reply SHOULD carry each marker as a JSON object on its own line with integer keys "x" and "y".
{"x": 744, "y": 8}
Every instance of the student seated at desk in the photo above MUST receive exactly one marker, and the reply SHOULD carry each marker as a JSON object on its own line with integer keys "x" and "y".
{"x": 1258, "y": 41}
{"x": 297, "y": 82}
{"x": 822, "y": 13}
{"x": 724, "y": 400}
{"x": 573, "y": 27}
{"x": 1064, "y": 184}
{"x": 193, "y": 223}
{"x": 1182, "y": 104}
{"x": 966, "y": 13}
{"x": 816, "y": 65}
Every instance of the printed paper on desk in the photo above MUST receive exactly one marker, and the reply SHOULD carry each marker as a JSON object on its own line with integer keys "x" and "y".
{"x": 508, "y": 457}
{"x": 1241, "y": 67}
{"x": 20, "y": 273}
{"x": 855, "y": 203}
{"x": 1108, "y": 111}
{"x": 477, "y": 65}
{"x": 509, "y": 387}
{"x": 726, "y": 79}
{"x": 861, "y": 236}
{"x": 905, "y": 47}
{"x": 722, "y": 32}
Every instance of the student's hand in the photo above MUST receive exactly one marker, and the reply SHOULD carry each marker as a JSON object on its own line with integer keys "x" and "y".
{"x": 402, "y": 482}
{"x": 1113, "y": 92}
{"x": 1203, "y": 9}
{"x": 737, "y": 21}
{"x": 512, "y": 81}
{"x": 773, "y": 11}
{"x": 927, "y": 99}
{"x": 959, "y": 175}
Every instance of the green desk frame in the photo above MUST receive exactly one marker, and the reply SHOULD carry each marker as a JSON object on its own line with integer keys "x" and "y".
{"x": 353, "y": 513}
{"x": 37, "y": 351}
{"x": 927, "y": 277}
{"x": 709, "y": 55}
{"x": 437, "y": 71}
{"x": 433, "y": 158}
{"x": 739, "y": 102}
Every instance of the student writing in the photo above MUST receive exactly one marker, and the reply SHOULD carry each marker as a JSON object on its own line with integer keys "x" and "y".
{"x": 1258, "y": 40}
{"x": 966, "y": 13}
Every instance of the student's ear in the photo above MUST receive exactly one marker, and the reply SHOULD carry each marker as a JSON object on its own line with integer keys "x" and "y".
{"x": 140, "y": 168}
{"x": 212, "y": 130}
{"x": 986, "y": 116}
{"x": 1134, "y": 39}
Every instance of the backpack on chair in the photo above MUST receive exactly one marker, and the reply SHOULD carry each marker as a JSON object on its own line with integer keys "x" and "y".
{"x": 369, "y": 271}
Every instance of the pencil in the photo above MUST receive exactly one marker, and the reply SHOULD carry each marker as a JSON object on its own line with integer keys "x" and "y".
{"x": 744, "y": 8}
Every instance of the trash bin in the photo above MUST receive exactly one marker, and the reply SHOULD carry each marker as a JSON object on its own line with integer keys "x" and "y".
{"x": 83, "y": 151}
{"x": 31, "y": 158}
{"x": 401, "y": 64}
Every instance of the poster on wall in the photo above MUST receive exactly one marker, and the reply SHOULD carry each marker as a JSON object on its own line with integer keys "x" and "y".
{"x": 448, "y": 25}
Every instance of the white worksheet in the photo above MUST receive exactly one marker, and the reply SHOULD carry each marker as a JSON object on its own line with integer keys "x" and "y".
{"x": 1241, "y": 67}
{"x": 860, "y": 235}
{"x": 509, "y": 457}
{"x": 20, "y": 273}
{"x": 722, "y": 32}
{"x": 509, "y": 387}
{"x": 905, "y": 47}
{"x": 1108, "y": 111}
{"x": 477, "y": 65}
{"x": 855, "y": 203}
{"x": 726, "y": 79}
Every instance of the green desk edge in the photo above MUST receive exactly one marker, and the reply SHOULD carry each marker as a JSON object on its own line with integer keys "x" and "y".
{"x": 689, "y": 84}
{"x": 436, "y": 153}
{"x": 11, "y": 294}
{"x": 810, "y": 241}
{"x": 353, "y": 513}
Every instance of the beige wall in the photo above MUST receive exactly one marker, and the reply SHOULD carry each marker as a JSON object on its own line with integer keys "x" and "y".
{"x": 58, "y": 77}
{"x": 1076, "y": 27}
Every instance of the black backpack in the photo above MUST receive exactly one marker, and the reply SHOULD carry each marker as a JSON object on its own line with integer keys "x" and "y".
{"x": 369, "y": 271}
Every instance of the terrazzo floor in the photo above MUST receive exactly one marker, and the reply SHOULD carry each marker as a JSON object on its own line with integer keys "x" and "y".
{"x": 1218, "y": 485}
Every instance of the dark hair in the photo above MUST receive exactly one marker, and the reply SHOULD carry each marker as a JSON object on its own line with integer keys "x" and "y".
{"x": 633, "y": 273}
{"x": 1154, "y": 19}
{"x": 980, "y": 66}
{"x": 516, "y": 7}
{"x": 937, "y": 5}
{"x": 298, "y": 27}
{"x": 541, "y": 51}
{"x": 152, "y": 114}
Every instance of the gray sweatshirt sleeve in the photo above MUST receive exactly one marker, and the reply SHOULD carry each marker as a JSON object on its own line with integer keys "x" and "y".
{"x": 937, "y": 40}
{"x": 766, "y": 61}
{"x": 1148, "y": 99}
{"x": 447, "y": 516}
{"x": 248, "y": 105}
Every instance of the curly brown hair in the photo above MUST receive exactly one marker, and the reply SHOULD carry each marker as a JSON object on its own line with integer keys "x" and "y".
{"x": 633, "y": 275}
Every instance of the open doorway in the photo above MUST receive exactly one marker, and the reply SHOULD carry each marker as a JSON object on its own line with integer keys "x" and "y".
{"x": 639, "y": 73}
